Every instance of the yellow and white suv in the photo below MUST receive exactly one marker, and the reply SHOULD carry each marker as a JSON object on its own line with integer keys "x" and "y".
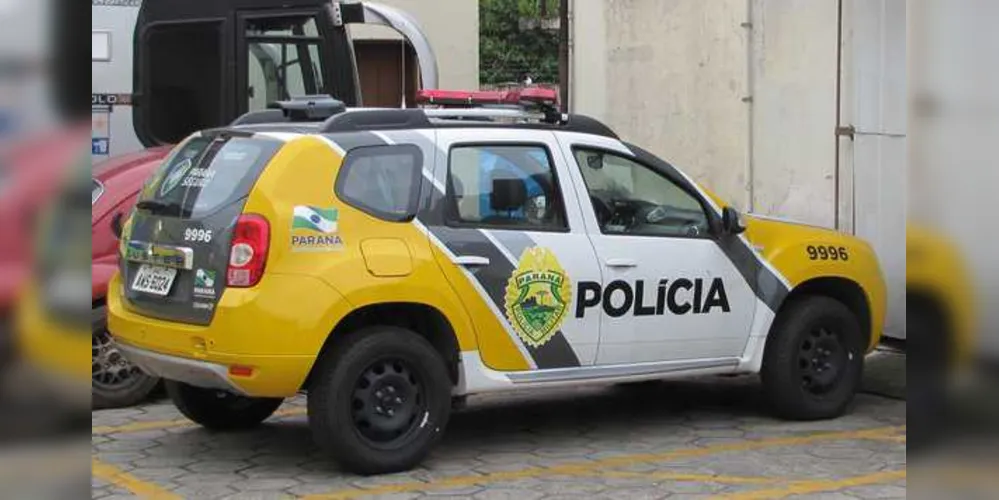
{"x": 386, "y": 261}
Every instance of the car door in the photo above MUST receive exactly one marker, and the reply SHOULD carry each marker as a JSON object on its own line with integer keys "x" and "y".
{"x": 668, "y": 292}
{"x": 501, "y": 217}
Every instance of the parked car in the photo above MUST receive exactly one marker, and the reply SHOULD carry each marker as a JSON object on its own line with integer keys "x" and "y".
{"x": 32, "y": 171}
{"x": 337, "y": 255}
{"x": 115, "y": 185}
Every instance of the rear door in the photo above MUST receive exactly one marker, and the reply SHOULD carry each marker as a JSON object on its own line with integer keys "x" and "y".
{"x": 176, "y": 248}
{"x": 506, "y": 215}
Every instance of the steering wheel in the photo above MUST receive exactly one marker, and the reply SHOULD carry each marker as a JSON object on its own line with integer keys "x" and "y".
{"x": 602, "y": 210}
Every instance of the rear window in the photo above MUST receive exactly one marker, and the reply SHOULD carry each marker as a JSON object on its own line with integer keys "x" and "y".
{"x": 382, "y": 180}
{"x": 205, "y": 174}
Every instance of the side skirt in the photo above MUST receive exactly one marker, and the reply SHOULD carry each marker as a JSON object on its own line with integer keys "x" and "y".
{"x": 476, "y": 377}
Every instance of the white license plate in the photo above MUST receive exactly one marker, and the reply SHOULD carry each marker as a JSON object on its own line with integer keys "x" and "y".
{"x": 154, "y": 279}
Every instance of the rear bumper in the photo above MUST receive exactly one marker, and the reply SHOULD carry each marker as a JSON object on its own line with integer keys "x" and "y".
{"x": 190, "y": 371}
{"x": 275, "y": 330}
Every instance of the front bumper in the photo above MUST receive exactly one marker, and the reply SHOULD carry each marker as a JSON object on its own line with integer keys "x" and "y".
{"x": 190, "y": 371}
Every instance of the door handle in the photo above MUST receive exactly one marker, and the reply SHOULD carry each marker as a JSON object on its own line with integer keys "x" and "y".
{"x": 618, "y": 262}
{"x": 470, "y": 260}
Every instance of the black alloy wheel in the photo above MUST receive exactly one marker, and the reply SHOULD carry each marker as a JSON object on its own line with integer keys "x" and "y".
{"x": 389, "y": 403}
{"x": 822, "y": 361}
{"x": 379, "y": 399}
{"x": 813, "y": 361}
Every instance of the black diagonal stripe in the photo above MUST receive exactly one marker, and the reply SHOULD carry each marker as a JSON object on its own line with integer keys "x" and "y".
{"x": 556, "y": 353}
{"x": 765, "y": 284}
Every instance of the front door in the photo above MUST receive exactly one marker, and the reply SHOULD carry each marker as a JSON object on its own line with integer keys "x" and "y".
{"x": 669, "y": 292}
{"x": 516, "y": 247}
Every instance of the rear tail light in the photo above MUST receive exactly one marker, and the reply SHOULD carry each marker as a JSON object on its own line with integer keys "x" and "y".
{"x": 248, "y": 251}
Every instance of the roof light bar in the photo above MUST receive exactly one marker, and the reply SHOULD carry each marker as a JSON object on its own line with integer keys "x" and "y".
{"x": 541, "y": 100}
{"x": 528, "y": 97}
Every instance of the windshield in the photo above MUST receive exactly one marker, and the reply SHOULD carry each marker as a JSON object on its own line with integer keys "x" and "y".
{"x": 204, "y": 174}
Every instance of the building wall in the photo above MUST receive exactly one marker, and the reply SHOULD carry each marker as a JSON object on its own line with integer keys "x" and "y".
{"x": 453, "y": 30}
{"x": 743, "y": 96}
{"x": 747, "y": 110}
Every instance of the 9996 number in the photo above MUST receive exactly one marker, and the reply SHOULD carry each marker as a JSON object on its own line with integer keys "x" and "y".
{"x": 192, "y": 234}
{"x": 827, "y": 253}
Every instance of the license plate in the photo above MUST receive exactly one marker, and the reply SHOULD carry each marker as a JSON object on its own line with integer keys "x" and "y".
{"x": 154, "y": 279}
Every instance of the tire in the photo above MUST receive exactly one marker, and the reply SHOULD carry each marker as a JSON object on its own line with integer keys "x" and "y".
{"x": 928, "y": 351}
{"x": 357, "y": 383}
{"x": 220, "y": 410}
{"x": 114, "y": 382}
{"x": 814, "y": 359}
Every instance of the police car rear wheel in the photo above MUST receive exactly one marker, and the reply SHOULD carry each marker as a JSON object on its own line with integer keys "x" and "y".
{"x": 814, "y": 360}
{"x": 380, "y": 400}
{"x": 220, "y": 410}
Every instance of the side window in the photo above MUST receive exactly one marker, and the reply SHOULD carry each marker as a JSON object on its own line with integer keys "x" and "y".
{"x": 504, "y": 186}
{"x": 383, "y": 181}
{"x": 631, "y": 198}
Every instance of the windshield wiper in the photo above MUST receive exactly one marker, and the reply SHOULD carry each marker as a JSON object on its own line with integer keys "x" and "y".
{"x": 160, "y": 208}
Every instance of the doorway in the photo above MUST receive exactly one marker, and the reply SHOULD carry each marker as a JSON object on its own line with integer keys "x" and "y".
{"x": 383, "y": 73}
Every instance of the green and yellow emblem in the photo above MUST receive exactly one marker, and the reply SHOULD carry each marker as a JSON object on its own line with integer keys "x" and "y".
{"x": 537, "y": 296}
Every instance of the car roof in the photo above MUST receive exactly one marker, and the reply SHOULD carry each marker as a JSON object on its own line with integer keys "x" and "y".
{"x": 384, "y": 119}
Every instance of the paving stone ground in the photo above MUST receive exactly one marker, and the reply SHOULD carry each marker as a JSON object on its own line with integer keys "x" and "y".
{"x": 706, "y": 438}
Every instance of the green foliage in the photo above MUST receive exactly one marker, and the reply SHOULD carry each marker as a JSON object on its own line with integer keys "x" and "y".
{"x": 506, "y": 52}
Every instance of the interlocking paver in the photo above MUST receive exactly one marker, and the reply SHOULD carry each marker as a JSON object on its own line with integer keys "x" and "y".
{"x": 650, "y": 441}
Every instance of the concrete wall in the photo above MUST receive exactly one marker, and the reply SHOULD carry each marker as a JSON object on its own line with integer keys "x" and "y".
{"x": 747, "y": 110}
{"x": 453, "y": 30}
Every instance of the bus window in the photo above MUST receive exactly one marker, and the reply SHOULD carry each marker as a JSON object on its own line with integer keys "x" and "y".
{"x": 283, "y": 60}
{"x": 184, "y": 79}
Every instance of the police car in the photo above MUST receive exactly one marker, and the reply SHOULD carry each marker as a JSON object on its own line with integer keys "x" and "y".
{"x": 387, "y": 261}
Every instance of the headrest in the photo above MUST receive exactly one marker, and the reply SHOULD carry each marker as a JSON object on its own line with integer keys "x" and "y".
{"x": 508, "y": 194}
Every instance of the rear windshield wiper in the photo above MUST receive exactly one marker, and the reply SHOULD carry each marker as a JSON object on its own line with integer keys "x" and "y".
{"x": 160, "y": 208}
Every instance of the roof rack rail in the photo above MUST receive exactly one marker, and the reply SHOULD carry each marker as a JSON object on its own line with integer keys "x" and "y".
{"x": 375, "y": 119}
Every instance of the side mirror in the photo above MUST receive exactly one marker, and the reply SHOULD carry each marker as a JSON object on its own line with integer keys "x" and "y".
{"x": 732, "y": 221}
{"x": 116, "y": 226}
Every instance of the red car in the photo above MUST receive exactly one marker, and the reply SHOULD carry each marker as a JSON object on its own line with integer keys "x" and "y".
{"x": 115, "y": 186}
{"x": 31, "y": 169}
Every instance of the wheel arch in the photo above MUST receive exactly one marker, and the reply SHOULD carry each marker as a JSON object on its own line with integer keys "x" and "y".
{"x": 423, "y": 319}
{"x": 844, "y": 290}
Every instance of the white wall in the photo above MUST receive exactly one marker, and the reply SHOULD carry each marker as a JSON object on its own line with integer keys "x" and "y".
{"x": 794, "y": 108}
{"x": 673, "y": 76}
{"x": 669, "y": 76}
{"x": 875, "y": 162}
{"x": 453, "y": 30}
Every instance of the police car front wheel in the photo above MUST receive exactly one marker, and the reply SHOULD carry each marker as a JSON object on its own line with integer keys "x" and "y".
{"x": 814, "y": 359}
{"x": 380, "y": 400}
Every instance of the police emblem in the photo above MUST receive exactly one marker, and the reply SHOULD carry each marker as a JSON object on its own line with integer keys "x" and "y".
{"x": 538, "y": 294}
{"x": 173, "y": 179}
